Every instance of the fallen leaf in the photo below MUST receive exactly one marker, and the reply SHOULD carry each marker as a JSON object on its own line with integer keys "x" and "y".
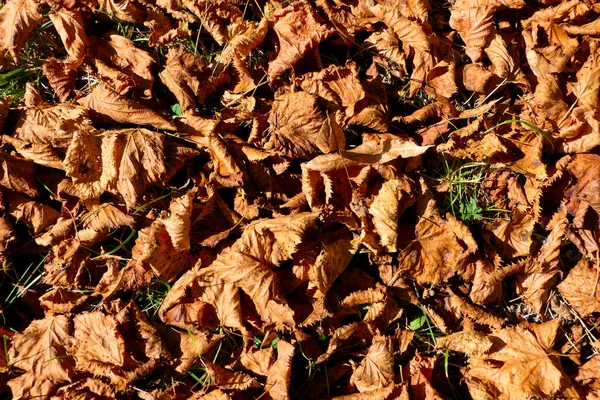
{"x": 295, "y": 123}
{"x": 376, "y": 370}
{"x": 579, "y": 288}
{"x": 43, "y": 350}
{"x": 518, "y": 366}
{"x": 299, "y": 30}
{"x": 97, "y": 341}
{"x": 18, "y": 20}
{"x": 249, "y": 263}
{"x": 109, "y": 106}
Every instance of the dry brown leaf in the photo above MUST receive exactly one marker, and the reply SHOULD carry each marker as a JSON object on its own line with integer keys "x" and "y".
{"x": 123, "y": 161}
{"x": 43, "y": 131}
{"x": 580, "y": 288}
{"x": 378, "y": 150}
{"x": 420, "y": 369}
{"x": 154, "y": 248}
{"x": 227, "y": 170}
{"x": 414, "y": 41}
{"x": 199, "y": 299}
{"x": 339, "y": 85}
{"x": 126, "y": 10}
{"x": 399, "y": 391}
{"x": 18, "y": 19}
{"x": 64, "y": 264}
{"x": 61, "y": 77}
{"x": 41, "y": 349}
{"x": 5, "y": 103}
{"x": 216, "y": 17}
{"x": 280, "y": 373}
{"x": 372, "y": 111}
{"x": 61, "y": 301}
{"x": 440, "y": 250}
{"x": 473, "y": 21}
{"x": 376, "y": 370}
{"x": 249, "y": 263}
{"x": 36, "y": 216}
{"x": 188, "y": 347}
{"x": 465, "y": 309}
{"x": 394, "y": 197}
{"x": 386, "y": 45}
{"x": 368, "y": 296}
{"x": 518, "y": 366}
{"x": 299, "y": 30}
{"x": 105, "y": 216}
{"x": 29, "y": 386}
{"x": 90, "y": 166}
{"x": 216, "y": 394}
{"x": 18, "y": 174}
{"x": 107, "y": 105}
{"x": 540, "y": 271}
{"x": 295, "y": 124}
{"x": 40, "y": 153}
{"x": 227, "y": 379}
{"x": 513, "y": 238}
{"x": 243, "y": 37}
{"x": 258, "y": 361}
{"x": 86, "y": 388}
{"x": 122, "y": 66}
{"x": 348, "y": 18}
{"x": 97, "y": 341}
{"x": 69, "y": 25}
{"x": 184, "y": 75}
{"x": 331, "y": 137}
{"x": 471, "y": 343}
{"x": 331, "y": 262}
{"x": 179, "y": 222}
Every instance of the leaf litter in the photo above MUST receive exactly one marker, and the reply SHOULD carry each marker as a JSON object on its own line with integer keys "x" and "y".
{"x": 365, "y": 199}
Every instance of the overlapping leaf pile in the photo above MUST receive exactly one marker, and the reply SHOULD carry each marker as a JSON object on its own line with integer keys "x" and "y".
{"x": 242, "y": 200}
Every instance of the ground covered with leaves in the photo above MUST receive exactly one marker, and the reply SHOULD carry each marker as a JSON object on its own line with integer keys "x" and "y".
{"x": 363, "y": 199}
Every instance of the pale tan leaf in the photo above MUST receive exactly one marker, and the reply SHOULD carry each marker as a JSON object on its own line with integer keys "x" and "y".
{"x": 473, "y": 21}
{"x": 97, "y": 340}
{"x": 471, "y": 343}
{"x": 179, "y": 222}
{"x": 41, "y": 349}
